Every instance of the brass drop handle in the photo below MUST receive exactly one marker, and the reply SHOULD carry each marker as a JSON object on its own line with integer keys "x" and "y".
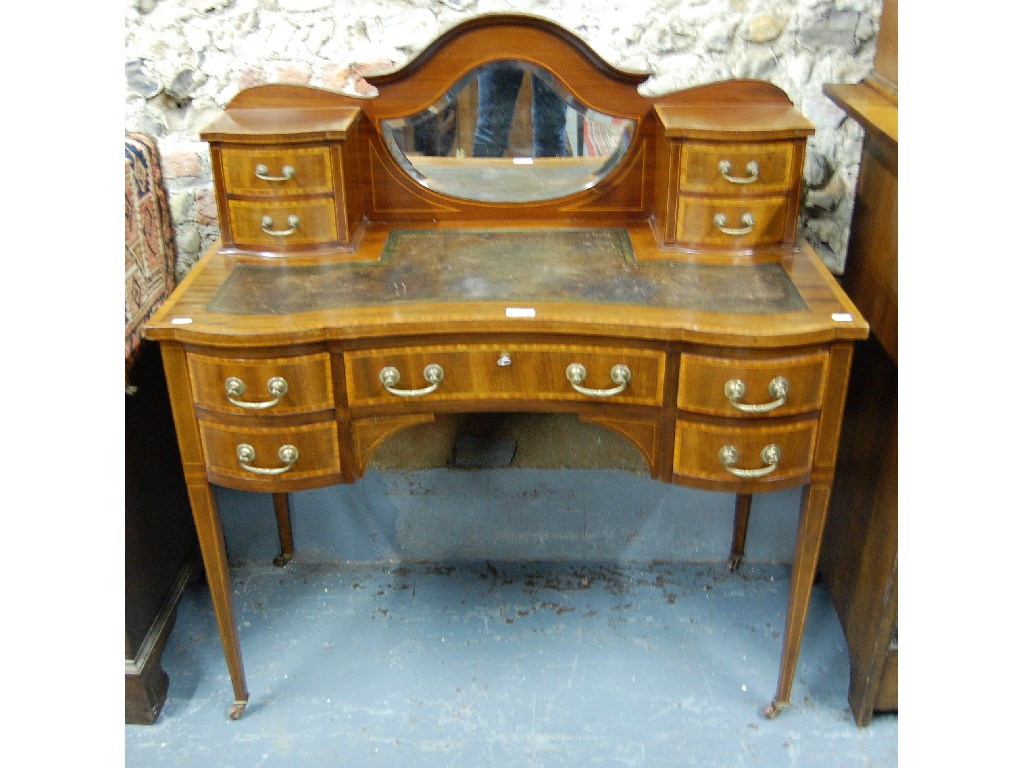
{"x": 747, "y": 219}
{"x": 753, "y": 170}
{"x": 277, "y": 386}
{"x": 246, "y": 454}
{"x": 268, "y": 222}
{"x": 287, "y": 173}
{"x": 770, "y": 456}
{"x": 389, "y": 377}
{"x": 576, "y": 373}
{"x": 778, "y": 388}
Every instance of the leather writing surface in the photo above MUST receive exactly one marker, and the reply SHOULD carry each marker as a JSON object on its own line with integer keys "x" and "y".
{"x": 593, "y": 265}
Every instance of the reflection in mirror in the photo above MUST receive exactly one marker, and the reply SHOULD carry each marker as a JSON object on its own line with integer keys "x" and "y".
{"x": 508, "y": 132}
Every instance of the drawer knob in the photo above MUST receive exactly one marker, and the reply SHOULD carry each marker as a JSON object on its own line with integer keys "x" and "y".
{"x": 770, "y": 456}
{"x": 246, "y": 454}
{"x": 747, "y": 220}
{"x": 753, "y": 170}
{"x": 505, "y": 359}
{"x": 277, "y": 386}
{"x": 389, "y": 377}
{"x": 778, "y": 388}
{"x": 576, "y": 373}
{"x": 268, "y": 222}
{"x": 287, "y": 173}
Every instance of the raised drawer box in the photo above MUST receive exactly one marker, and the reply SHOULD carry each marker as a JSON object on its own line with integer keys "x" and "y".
{"x": 730, "y": 177}
{"x": 292, "y": 190}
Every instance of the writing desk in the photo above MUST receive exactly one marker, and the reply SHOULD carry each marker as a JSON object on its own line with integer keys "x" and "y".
{"x": 721, "y": 352}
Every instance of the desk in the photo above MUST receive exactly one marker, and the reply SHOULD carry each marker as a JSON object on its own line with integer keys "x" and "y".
{"x": 721, "y": 352}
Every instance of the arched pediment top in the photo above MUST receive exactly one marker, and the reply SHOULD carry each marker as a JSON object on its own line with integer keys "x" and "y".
{"x": 519, "y": 33}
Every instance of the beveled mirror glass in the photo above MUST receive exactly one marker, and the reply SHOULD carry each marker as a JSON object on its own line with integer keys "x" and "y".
{"x": 508, "y": 132}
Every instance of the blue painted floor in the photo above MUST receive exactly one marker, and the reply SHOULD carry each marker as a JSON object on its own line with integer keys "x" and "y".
{"x": 497, "y": 664}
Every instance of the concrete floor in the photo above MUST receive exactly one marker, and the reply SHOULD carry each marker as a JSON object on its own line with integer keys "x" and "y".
{"x": 556, "y": 612}
{"x": 499, "y": 664}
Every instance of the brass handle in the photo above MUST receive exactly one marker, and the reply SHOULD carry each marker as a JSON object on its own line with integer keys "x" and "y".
{"x": 288, "y": 173}
{"x": 746, "y": 219}
{"x": 235, "y": 387}
{"x": 778, "y": 388}
{"x": 753, "y": 170}
{"x": 246, "y": 454}
{"x": 770, "y": 455}
{"x": 576, "y": 373}
{"x": 389, "y": 377}
{"x": 268, "y": 222}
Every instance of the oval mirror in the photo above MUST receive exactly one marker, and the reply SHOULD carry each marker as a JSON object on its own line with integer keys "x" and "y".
{"x": 508, "y": 132}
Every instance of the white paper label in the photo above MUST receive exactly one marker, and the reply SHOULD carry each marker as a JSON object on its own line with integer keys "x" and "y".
{"x": 520, "y": 312}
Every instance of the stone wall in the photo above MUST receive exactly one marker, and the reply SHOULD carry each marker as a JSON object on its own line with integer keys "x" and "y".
{"x": 186, "y": 59}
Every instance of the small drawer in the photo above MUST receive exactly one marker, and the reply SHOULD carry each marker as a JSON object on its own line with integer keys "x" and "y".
{"x": 737, "y": 169}
{"x": 505, "y": 372}
{"x": 275, "y": 386}
{"x": 270, "y": 455}
{"x": 758, "y": 453}
{"x": 730, "y": 222}
{"x": 722, "y": 386}
{"x": 277, "y": 172}
{"x": 281, "y": 224}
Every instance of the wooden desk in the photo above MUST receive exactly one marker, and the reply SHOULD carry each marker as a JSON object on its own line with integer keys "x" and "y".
{"x": 669, "y": 301}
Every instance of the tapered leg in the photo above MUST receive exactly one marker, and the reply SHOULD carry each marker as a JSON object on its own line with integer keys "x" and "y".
{"x": 215, "y": 560}
{"x": 739, "y": 530}
{"x": 206, "y": 516}
{"x": 805, "y": 563}
{"x": 284, "y": 529}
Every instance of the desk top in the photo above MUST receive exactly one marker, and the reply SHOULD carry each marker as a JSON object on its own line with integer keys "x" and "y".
{"x": 607, "y": 281}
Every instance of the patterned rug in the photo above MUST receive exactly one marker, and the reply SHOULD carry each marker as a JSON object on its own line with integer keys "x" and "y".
{"x": 149, "y": 252}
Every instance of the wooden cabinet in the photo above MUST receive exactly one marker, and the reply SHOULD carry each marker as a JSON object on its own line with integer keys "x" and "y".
{"x": 160, "y": 541}
{"x": 511, "y": 284}
{"x": 859, "y": 559}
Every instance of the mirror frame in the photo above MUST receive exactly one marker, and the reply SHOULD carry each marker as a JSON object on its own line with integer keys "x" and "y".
{"x": 453, "y": 164}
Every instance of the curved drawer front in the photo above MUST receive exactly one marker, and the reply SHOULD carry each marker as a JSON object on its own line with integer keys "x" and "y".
{"x": 281, "y": 224}
{"x": 315, "y": 446}
{"x": 722, "y": 386}
{"x": 736, "y": 169}
{"x": 699, "y": 451}
{"x": 284, "y": 171}
{"x": 731, "y": 222}
{"x": 255, "y": 386}
{"x": 505, "y": 372}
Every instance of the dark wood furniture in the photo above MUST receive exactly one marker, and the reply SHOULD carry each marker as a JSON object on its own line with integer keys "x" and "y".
{"x": 859, "y": 551}
{"x": 160, "y": 541}
{"x": 362, "y": 287}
